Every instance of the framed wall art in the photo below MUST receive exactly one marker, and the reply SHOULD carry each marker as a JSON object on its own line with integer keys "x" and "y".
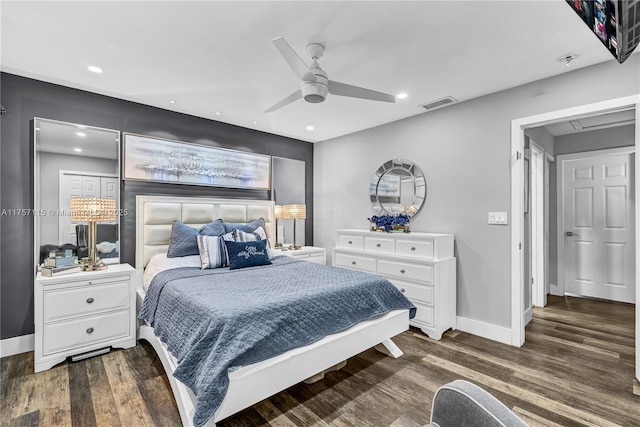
{"x": 161, "y": 160}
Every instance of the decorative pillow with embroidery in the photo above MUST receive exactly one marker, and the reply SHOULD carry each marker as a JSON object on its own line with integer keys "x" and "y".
{"x": 247, "y": 254}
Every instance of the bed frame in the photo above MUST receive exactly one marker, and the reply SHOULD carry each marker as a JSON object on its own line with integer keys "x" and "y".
{"x": 253, "y": 383}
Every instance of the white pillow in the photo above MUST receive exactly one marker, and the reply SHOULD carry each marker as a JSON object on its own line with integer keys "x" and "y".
{"x": 213, "y": 251}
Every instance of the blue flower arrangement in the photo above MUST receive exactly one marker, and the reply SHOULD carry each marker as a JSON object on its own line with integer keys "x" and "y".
{"x": 388, "y": 223}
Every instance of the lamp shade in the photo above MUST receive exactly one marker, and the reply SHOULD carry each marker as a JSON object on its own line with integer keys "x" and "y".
{"x": 92, "y": 209}
{"x": 296, "y": 211}
{"x": 279, "y": 212}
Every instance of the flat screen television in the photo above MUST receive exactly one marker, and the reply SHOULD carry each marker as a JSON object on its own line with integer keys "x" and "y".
{"x": 616, "y": 23}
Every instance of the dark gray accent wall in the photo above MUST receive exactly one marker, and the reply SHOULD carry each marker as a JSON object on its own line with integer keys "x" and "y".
{"x": 26, "y": 98}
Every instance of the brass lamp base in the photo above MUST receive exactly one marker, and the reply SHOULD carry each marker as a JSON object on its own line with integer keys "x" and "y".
{"x": 294, "y": 247}
{"x": 87, "y": 265}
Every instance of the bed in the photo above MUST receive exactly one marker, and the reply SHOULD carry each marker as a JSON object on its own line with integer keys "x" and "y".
{"x": 250, "y": 383}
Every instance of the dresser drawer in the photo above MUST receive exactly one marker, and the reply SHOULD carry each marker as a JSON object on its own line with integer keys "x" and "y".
{"x": 85, "y": 331}
{"x": 424, "y": 314}
{"x": 421, "y": 273}
{"x": 414, "y": 291}
{"x": 73, "y": 302}
{"x": 351, "y": 242}
{"x": 356, "y": 262}
{"x": 417, "y": 249}
{"x": 379, "y": 245}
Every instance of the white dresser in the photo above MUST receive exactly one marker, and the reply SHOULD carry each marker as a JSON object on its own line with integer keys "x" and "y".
{"x": 307, "y": 253}
{"x": 421, "y": 265}
{"x": 81, "y": 312}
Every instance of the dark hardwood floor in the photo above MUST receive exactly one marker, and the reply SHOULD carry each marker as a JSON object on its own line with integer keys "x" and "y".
{"x": 575, "y": 369}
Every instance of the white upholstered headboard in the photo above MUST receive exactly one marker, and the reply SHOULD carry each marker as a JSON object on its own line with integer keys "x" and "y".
{"x": 155, "y": 215}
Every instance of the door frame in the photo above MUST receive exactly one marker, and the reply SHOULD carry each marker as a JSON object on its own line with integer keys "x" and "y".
{"x": 560, "y": 159}
{"x": 536, "y": 213}
{"x": 518, "y": 127}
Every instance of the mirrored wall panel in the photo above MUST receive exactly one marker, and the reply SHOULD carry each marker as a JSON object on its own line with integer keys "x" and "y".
{"x": 73, "y": 160}
{"x": 288, "y": 183}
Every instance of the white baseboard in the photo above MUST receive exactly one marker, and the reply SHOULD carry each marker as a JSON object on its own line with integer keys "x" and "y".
{"x": 17, "y": 345}
{"x": 484, "y": 330}
{"x": 556, "y": 290}
{"x": 528, "y": 316}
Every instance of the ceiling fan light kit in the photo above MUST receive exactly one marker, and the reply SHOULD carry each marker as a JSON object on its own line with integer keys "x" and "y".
{"x": 315, "y": 83}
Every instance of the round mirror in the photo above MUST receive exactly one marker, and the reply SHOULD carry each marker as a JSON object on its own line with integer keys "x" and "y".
{"x": 397, "y": 187}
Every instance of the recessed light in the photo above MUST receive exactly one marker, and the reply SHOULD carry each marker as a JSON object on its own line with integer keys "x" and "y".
{"x": 218, "y": 113}
{"x": 37, "y": 128}
{"x": 568, "y": 58}
{"x": 78, "y": 150}
{"x": 401, "y": 95}
{"x": 310, "y": 127}
{"x": 255, "y": 123}
{"x": 94, "y": 69}
{"x": 173, "y": 101}
{"x": 81, "y": 134}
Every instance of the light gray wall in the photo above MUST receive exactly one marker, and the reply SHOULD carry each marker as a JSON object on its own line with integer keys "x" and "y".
{"x": 50, "y": 165}
{"x": 464, "y": 152}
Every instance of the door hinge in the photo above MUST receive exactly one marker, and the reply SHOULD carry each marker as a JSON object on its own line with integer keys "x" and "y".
{"x": 519, "y": 245}
{"x": 518, "y": 155}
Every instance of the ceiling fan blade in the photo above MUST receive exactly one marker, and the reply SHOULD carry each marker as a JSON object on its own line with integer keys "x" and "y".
{"x": 295, "y": 62}
{"x": 343, "y": 89}
{"x": 288, "y": 100}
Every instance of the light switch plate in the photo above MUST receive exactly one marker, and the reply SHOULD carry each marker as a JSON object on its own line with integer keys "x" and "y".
{"x": 498, "y": 218}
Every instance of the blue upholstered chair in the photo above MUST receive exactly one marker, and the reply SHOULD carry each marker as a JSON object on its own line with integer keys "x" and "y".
{"x": 463, "y": 404}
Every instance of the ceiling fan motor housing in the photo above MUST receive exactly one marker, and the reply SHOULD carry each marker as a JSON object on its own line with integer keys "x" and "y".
{"x": 315, "y": 92}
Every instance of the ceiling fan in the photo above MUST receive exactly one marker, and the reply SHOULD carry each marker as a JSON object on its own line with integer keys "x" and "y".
{"x": 315, "y": 82}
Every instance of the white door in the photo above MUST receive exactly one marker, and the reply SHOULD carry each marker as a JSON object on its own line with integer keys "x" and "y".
{"x": 599, "y": 242}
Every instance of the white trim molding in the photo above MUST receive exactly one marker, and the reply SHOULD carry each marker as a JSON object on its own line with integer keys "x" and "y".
{"x": 17, "y": 345}
{"x": 484, "y": 330}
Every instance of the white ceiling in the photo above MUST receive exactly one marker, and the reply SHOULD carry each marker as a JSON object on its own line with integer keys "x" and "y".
{"x": 586, "y": 124}
{"x": 218, "y": 57}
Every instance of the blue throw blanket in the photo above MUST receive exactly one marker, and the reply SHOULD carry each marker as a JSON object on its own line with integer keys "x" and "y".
{"x": 213, "y": 320}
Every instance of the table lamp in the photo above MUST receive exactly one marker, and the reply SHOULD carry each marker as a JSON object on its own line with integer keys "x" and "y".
{"x": 296, "y": 211}
{"x": 92, "y": 210}
{"x": 279, "y": 213}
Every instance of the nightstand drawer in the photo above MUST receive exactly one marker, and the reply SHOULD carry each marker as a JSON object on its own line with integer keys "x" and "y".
{"x": 317, "y": 258}
{"x": 415, "y": 249}
{"x": 356, "y": 262}
{"x": 414, "y": 291}
{"x": 351, "y": 242}
{"x": 77, "y": 301}
{"x": 85, "y": 331}
{"x": 379, "y": 245}
{"x": 421, "y": 273}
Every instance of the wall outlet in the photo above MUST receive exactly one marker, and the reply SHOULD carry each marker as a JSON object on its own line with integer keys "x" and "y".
{"x": 498, "y": 218}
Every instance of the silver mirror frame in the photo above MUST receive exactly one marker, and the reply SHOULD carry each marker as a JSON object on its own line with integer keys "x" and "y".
{"x": 402, "y": 168}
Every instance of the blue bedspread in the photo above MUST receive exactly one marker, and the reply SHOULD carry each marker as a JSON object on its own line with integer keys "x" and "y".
{"x": 213, "y": 320}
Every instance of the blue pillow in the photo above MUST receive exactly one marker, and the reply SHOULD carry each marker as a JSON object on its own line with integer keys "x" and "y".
{"x": 248, "y": 227}
{"x": 182, "y": 241}
{"x": 215, "y": 228}
{"x": 247, "y": 254}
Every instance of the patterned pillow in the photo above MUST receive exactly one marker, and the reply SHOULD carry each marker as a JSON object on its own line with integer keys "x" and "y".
{"x": 213, "y": 252}
{"x": 215, "y": 228}
{"x": 182, "y": 241}
{"x": 247, "y": 254}
{"x": 248, "y": 227}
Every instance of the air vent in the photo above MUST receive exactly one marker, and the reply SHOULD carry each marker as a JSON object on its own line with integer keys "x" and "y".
{"x": 439, "y": 103}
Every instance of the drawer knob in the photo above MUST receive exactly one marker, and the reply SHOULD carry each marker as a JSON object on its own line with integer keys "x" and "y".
{"x": 402, "y": 290}
{"x": 353, "y": 262}
{"x": 378, "y": 245}
{"x": 402, "y": 271}
{"x": 90, "y": 330}
{"x": 90, "y": 300}
{"x": 413, "y": 248}
{"x": 350, "y": 242}
{"x": 90, "y": 283}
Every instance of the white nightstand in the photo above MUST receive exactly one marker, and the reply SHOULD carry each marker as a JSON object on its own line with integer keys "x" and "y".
{"x": 307, "y": 253}
{"x": 83, "y": 312}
